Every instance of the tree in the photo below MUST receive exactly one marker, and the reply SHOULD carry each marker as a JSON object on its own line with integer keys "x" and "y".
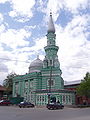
{"x": 84, "y": 87}
{"x": 8, "y": 83}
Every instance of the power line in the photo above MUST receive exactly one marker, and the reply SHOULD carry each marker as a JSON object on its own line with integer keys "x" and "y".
{"x": 14, "y": 60}
{"x": 29, "y": 62}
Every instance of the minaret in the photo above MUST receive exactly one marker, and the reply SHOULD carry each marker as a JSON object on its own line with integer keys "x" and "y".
{"x": 51, "y": 58}
{"x": 51, "y": 67}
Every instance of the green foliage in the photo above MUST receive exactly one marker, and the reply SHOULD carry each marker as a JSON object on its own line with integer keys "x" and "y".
{"x": 8, "y": 82}
{"x": 84, "y": 87}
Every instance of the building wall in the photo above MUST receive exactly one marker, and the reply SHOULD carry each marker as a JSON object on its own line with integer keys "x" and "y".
{"x": 1, "y": 94}
{"x": 78, "y": 99}
{"x": 24, "y": 85}
{"x": 2, "y": 90}
{"x": 64, "y": 98}
{"x": 27, "y": 86}
{"x": 57, "y": 81}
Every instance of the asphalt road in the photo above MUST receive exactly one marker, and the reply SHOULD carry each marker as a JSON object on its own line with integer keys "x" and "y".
{"x": 15, "y": 113}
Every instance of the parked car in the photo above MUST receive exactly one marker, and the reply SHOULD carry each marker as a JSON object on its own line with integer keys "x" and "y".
{"x": 26, "y": 104}
{"x": 53, "y": 106}
{"x": 5, "y": 102}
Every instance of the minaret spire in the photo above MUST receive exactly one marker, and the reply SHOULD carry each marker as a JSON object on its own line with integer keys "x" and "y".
{"x": 50, "y": 12}
{"x": 51, "y": 27}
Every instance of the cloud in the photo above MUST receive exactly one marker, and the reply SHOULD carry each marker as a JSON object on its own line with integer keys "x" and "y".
{"x": 19, "y": 67}
{"x": 24, "y": 10}
{"x": 11, "y": 58}
{"x": 2, "y": 28}
{"x": 1, "y": 48}
{"x": 15, "y": 61}
{"x": 15, "y": 38}
{"x": 24, "y": 54}
{"x": 1, "y": 18}
{"x": 36, "y": 49}
{"x": 3, "y": 68}
{"x": 74, "y": 48}
{"x": 72, "y": 6}
{"x": 30, "y": 27}
{"x": 3, "y": 1}
{"x": 3, "y": 76}
{"x": 38, "y": 45}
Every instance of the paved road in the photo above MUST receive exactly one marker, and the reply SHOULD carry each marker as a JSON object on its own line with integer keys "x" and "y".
{"x": 15, "y": 113}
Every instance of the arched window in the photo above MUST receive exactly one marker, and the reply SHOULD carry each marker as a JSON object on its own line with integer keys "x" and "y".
{"x": 50, "y": 82}
{"x": 47, "y": 63}
{"x": 50, "y": 62}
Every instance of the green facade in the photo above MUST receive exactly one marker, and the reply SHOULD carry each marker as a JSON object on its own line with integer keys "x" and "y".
{"x": 44, "y": 77}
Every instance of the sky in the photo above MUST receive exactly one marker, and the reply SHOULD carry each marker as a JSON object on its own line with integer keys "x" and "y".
{"x": 23, "y": 29}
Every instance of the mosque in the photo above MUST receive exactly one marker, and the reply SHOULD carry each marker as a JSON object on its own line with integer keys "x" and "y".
{"x": 44, "y": 80}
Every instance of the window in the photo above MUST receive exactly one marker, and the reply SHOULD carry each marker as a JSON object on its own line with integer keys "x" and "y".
{"x": 50, "y": 82}
{"x": 37, "y": 98}
{"x": 26, "y": 84}
{"x": 32, "y": 97}
{"x": 63, "y": 98}
{"x": 31, "y": 83}
{"x": 50, "y": 62}
{"x": 47, "y": 63}
{"x": 69, "y": 99}
{"x": 16, "y": 88}
{"x": 42, "y": 98}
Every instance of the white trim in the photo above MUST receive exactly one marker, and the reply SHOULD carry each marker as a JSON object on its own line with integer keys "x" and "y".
{"x": 49, "y": 74}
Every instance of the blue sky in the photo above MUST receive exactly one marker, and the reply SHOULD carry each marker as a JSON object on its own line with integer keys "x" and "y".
{"x": 23, "y": 29}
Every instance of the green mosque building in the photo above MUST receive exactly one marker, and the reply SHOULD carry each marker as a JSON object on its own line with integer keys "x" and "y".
{"x": 44, "y": 80}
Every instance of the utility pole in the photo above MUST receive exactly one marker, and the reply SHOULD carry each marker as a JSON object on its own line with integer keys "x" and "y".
{"x": 50, "y": 81}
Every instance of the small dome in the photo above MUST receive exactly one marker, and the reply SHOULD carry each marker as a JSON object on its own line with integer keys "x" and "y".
{"x": 36, "y": 62}
{"x": 36, "y": 65}
{"x": 51, "y": 27}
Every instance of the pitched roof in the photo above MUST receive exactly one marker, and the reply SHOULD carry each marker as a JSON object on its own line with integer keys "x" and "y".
{"x": 72, "y": 82}
{"x": 2, "y": 88}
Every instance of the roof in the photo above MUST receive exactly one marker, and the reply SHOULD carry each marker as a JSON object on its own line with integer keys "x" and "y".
{"x": 51, "y": 27}
{"x": 2, "y": 88}
{"x": 36, "y": 65}
{"x": 72, "y": 82}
